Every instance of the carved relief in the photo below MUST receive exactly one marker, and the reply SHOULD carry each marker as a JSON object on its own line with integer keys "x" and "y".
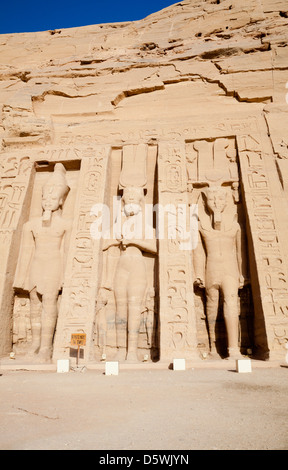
{"x": 177, "y": 313}
{"x": 211, "y": 160}
{"x": 143, "y": 133}
{"x": 199, "y": 104}
{"x": 184, "y": 171}
{"x": 13, "y": 166}
{"x": 77, "y": 309}
{"x": 124, "y": 265}
{"x": 270, "y": 260}
{"x": 220, "y": 266}
{"x": 22, "y": 333}
{"x": 41, "y": 263}
{"x": 221, "y": 270}
{"x": 15, "y": 175}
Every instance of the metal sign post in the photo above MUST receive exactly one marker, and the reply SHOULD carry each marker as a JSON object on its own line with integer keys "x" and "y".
{"x": 78, "y": 339}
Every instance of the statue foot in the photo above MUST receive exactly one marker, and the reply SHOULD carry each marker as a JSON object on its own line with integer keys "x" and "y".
{"x": 234, "y": 354}
{"x": 120, "y": 355}
{"x": 213, "y": 354}
{"x": 132, "y": 357}
{"x": 44, "y": 355}
{"x": 32, "y": 352}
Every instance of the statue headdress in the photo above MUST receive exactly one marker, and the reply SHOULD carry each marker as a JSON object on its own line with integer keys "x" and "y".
{"x": 58, "y": 180}
{"x": 133, "y": 171}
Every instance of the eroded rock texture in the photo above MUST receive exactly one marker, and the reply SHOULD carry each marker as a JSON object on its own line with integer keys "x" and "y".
{"x": 201, "y": 84}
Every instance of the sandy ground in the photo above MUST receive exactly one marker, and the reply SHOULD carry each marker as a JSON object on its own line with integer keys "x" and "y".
{"x": 195, "y": 409}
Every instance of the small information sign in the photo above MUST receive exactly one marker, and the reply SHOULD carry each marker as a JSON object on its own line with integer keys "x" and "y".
{"x": 78, "y": 339}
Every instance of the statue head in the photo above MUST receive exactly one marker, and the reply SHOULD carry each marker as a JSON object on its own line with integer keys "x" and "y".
{"x": 216, "y": 198}
{"x": 55, "y": 189}
{"x": 216, "y": 201}
{"x": 132, "y": 200}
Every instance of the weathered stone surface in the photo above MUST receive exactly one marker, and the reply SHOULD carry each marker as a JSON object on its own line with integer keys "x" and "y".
{"x": 202, "y": 85}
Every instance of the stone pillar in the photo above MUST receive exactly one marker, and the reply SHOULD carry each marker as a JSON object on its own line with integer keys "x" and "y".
{"x": 77, "y": 308}
{"x": 177, "y": 313}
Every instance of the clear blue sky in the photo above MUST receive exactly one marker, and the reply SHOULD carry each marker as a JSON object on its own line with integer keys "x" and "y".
{"x": 18, "y": 16}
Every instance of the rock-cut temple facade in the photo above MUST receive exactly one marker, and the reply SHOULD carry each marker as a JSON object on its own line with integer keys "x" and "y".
{"x": 144, "y": 187}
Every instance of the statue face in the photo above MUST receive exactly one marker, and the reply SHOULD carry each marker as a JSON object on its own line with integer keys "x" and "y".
{"x": 51, "y": 198}
{"x": 132, "y": 198}
{"x": 216, "y": 200}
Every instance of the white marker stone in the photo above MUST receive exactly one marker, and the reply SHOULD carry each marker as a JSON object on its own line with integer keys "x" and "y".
{"x": 179, "y": 364}
{"x": 243, "y": 365}
{"x": 111, "y": 368}
{"x": 63, "y": 365}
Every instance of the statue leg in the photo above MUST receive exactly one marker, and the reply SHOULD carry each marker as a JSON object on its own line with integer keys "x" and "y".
{"x": 102, "y": 331}
{"x": 136, "y": 292}
{"x": 121, "y": 313}
{"x": 231, "y": 317}
{"x": 212, "y": 301}
{"x": 48, "y": 324}
{"x": 134, "y": 320}
{"x": 35, "y": 316}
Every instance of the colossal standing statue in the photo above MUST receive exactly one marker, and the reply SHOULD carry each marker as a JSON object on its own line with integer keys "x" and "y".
{"x": 41, "y": 262}
{"x": 218, "y": 263}
{"x": 125, "y": 266}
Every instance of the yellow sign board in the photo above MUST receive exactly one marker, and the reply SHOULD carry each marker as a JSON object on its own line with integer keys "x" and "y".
{"x": 78, "y": 339}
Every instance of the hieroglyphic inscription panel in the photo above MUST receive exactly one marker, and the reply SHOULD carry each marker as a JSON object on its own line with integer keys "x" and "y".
{"x": 77, "y": 309}
{"x": 15, "y": 174}
{"x": 269, "y": 254}
{"x": 177, "y": 315}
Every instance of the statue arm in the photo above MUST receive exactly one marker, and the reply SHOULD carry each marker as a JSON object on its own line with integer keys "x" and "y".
{"x": 145, "y": 244}
{"x": 110, "y": 260}
{"x": 66, "y": 243}
{"x": 24, "y": 259}
{"x": 149, "y": 246}
{"x": 241, "y": 256}
{"x": 199, "y": 262}
{"x": 107, "y": 243}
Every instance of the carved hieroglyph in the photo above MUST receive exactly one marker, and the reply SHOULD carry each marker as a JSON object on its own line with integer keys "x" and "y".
{"x": 16, "y": 179}
{"x": 268, "y": 245}
{"x": 177, "y": 312}
{"x": 77, "y": 309}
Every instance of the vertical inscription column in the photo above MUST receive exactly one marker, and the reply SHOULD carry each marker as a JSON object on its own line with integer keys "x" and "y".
{"x": 15, "y": 174}
{"x": 77, "y": 308}
{"x": 177, "y": 314}
{"x": 269, "y": 254}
